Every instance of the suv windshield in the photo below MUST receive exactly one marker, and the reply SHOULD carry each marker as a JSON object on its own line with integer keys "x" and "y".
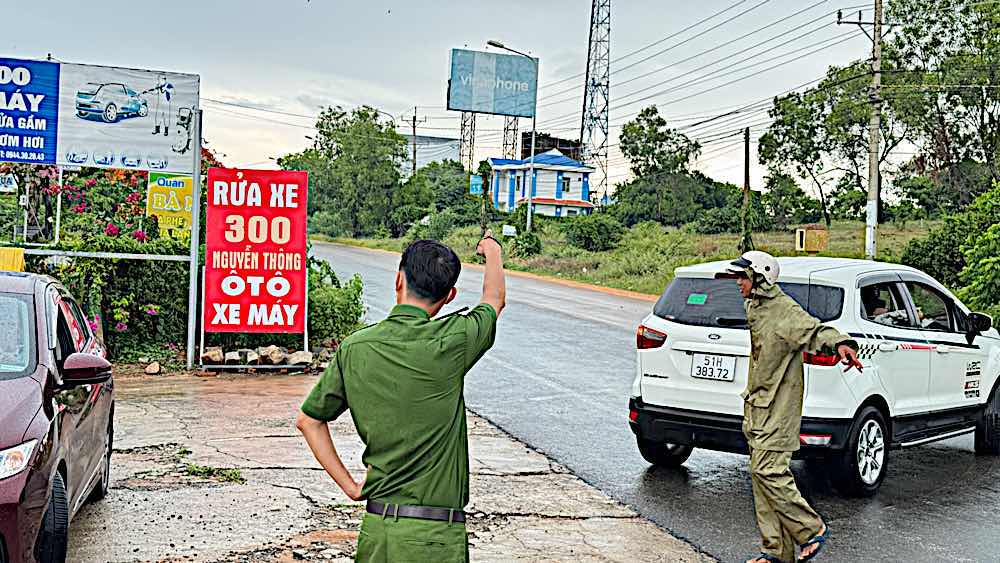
{"x": 16, "y": 335}
{"x": 718, "y": 303}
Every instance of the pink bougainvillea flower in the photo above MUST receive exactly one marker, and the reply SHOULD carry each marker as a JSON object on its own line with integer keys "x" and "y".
{"x": 80, "y": 207}
{"x": 152, "y": 309}
{"x": 111, "y": 230}
{"x": 121, "y": 327}
{"x": 132, "y": 197}
{"x": 140, "y": 235}
{"x": 90, "y": 183}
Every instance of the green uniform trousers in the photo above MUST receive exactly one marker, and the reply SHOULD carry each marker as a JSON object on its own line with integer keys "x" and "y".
{"x": 409, "y": 540}
{"x": 785, "y": 519}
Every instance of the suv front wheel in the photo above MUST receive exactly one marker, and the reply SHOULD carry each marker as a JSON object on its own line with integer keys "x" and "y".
{"x": 988, "y": 428}
{"x": 861, "y": 468}
{"x": 664, "y": 454}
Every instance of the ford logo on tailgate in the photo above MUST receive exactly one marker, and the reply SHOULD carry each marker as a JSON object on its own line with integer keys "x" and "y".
{"x": 714, "y": 336}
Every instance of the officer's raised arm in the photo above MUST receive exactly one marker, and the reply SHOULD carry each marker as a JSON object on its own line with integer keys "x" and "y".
{"x": 494, "y": 285}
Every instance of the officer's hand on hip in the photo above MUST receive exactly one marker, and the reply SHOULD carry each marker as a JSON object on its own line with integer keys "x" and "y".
{"x": 849, "y": 358}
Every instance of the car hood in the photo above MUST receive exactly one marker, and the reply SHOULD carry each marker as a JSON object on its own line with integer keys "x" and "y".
{"x": 20, "y": 400}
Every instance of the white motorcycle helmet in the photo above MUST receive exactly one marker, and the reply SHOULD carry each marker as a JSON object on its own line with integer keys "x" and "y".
{"x": 759, "y": 262}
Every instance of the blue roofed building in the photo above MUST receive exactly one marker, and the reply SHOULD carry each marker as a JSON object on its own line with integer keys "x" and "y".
{"x": 560, "y": 186}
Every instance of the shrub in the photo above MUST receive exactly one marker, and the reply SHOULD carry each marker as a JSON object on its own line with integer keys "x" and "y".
{"x": 441, "y": 224}
{"x": 982, "y": 272}
{"x": 940, "y": 253}
{"x": 335, "y": 310}
{"x": 596, "y": 232}
{"x": 141, "y": 304}
{"x": 526, "y": 245}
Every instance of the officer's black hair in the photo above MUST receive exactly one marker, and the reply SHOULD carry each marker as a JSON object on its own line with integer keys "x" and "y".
{"x": 431, "y": 269}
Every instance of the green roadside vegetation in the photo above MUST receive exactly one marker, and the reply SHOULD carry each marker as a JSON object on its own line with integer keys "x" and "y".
{"x": 648, "y": 253}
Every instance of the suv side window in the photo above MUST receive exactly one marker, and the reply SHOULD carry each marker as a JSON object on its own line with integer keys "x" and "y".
{"x": 882, "y": 303}
{"x": 933, "y": 309}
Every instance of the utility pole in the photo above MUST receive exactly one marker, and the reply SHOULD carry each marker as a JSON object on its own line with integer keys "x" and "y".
{"x": 871, "y": 217}
{"x": 746, "y": 241}
{"x": 413, "y": 139}
{"x": 875, "y": 96}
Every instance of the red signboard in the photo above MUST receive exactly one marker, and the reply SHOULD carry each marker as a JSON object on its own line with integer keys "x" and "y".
{"x": 255, "y": 251}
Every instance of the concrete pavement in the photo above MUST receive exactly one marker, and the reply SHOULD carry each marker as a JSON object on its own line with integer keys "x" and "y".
{"x": 212, "y": 469}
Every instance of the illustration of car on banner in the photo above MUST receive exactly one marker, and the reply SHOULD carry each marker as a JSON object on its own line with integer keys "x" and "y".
{"x": 110, "y": 102}
{"x": 131, "y": 159}
{"x": 77, "y": 155}
{"x": 104, "y": 157}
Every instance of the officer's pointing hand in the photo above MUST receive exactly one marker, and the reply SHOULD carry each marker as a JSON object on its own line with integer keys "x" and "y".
{"x": 849, "y": 358}
{"x": 487, "y": 244}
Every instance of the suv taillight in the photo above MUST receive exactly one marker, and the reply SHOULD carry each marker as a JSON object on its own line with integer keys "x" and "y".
{"x": 646, "y": 338}
{"x": 819, "y": 359}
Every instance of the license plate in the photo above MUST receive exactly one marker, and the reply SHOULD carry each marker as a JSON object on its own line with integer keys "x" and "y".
{"x": 713, "y": 366}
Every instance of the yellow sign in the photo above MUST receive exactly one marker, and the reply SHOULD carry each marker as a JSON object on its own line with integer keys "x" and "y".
{"x": 169, "y": 198}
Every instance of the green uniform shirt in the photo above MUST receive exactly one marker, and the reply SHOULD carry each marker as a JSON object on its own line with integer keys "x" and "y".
{"x": 402, "y": 380}
{"x": 780, "y": 330}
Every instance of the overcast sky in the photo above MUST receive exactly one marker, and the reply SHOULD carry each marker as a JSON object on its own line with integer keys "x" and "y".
{"x": 296, "y": 56}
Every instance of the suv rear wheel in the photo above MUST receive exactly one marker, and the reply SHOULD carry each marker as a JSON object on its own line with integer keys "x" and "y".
{"x": 859, "y": 471}
{"x": 988, "y": 428}
{"x": 664, "y": 454}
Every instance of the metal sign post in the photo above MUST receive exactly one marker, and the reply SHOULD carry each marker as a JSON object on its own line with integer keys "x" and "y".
{"x": 195, "y": 243}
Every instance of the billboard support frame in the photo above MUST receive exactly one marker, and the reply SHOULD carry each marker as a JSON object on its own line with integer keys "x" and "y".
{"x": 195, "y": 242}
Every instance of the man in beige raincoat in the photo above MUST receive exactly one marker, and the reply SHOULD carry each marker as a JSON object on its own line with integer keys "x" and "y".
{"x": 780, "y": 331}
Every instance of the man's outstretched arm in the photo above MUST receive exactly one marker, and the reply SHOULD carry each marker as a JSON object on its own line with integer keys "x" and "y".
{"x": 494, "y": 284}
{"x": 317, "y": 435}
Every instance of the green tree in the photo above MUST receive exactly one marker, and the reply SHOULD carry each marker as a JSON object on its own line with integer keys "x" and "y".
{"x": 785, "y": 203}
{"x": 355, "y": 159}
{"x": 947, "y": 88}
{"x": 653, "y": 148}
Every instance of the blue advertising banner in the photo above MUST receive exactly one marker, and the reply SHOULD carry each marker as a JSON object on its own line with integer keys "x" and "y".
{"x": 29, "y": 111}
{"x": 493, "y": 83}
{"x": 475, "y": 184}
{"x": 88, "y": 115}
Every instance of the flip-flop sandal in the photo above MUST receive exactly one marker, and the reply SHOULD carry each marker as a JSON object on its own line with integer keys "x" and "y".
{"x": 819, "y": 541}
{"x": 767, "y": 557}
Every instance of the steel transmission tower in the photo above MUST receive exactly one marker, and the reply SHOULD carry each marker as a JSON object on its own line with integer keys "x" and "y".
{"x": 594, "y": 129}
{"x": 467, "y": 148}
{"x": 510, "y": 137}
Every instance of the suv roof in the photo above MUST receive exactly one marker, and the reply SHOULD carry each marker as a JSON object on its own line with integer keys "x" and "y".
{"x": 21, "y": 282}
{"x": 803, "y": 268}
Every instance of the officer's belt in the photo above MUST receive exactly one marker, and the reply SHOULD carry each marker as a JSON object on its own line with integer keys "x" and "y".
{"x": 419, "y": 512}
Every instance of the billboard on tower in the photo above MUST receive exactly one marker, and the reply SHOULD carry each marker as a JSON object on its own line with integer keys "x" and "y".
{"x": 483, "y": 82}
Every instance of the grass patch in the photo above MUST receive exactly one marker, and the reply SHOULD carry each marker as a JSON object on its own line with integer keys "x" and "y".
{"x": 217, "y": 473}
{"x": 648, "y": 254}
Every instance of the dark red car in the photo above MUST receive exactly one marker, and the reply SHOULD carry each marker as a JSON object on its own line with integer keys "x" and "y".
{"x": 56, "y": 417}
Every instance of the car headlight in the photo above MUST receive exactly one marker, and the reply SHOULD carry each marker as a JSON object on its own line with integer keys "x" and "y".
{"x": 15, "y": 460}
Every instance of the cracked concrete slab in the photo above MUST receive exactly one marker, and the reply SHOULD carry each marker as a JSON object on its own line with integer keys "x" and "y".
{"x": 212, "y": 469}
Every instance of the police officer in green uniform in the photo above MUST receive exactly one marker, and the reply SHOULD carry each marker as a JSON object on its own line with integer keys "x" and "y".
{"x": 402, "y": 379}
{"x": 780, "y": 331}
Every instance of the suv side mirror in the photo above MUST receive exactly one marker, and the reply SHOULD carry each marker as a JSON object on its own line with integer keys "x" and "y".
{"x": 978, "y": 323}
{"x": 85, "y": 369}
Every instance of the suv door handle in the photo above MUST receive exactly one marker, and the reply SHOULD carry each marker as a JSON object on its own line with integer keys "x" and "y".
{"x": 887, "y": 346}
{"x": 942, "y": 349}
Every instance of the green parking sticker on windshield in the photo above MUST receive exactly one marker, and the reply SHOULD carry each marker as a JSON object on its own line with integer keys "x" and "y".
{"x": 697, "y": 299}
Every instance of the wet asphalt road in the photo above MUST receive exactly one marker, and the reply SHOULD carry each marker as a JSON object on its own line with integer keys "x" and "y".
{"x": 559, "y": 378}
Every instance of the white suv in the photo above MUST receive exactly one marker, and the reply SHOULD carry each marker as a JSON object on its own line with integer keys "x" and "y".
{"x": 931, "y": 368}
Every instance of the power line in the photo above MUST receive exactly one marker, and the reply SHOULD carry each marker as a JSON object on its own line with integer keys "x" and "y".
{"x": 653, "y": 44}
